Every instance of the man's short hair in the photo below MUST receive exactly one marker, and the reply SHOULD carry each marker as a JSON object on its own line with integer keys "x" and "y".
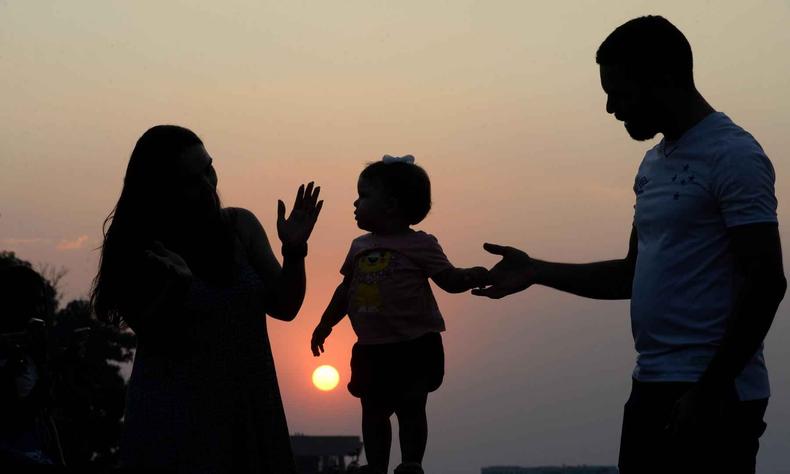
{"x": 649, "y": 45}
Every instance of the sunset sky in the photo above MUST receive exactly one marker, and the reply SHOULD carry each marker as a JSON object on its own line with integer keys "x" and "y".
{"x": 499, "y": 101}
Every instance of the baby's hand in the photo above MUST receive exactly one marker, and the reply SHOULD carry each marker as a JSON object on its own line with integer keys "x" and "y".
{"x": 476, "y": 277}
{"x": 320, "y": 333}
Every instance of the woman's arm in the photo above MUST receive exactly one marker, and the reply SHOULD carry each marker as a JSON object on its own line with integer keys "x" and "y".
{"x": 285, "y": 285}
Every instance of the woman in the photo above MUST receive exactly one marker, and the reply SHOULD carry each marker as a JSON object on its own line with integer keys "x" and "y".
{"x": 195, "y": 281}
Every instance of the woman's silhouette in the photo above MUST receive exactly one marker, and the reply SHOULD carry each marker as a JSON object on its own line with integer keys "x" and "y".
{"x": 195, "y": 281}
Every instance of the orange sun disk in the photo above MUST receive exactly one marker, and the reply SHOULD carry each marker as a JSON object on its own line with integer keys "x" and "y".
{"x": 325, "y": 378}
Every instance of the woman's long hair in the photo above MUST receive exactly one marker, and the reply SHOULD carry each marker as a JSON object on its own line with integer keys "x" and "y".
{"x": 149, "y": 210}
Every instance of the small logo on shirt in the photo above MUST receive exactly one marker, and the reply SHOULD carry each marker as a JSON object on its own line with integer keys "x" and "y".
{"x": 639, "y": 184}
{"x": 688, "y": 179}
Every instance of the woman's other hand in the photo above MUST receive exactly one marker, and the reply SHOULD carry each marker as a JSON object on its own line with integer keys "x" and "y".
{"x": 169, "y": 262}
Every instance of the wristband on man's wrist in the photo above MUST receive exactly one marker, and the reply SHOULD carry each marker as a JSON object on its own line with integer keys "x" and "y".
{"x": 295, "y": 251}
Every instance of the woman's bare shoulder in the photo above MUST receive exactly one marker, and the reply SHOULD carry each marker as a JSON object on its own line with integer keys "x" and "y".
{"x": 244, "y": 221}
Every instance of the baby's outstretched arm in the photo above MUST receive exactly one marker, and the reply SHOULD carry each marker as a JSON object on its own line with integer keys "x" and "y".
{"x": 335, "y": 311}
{"x": 458, "y": 280}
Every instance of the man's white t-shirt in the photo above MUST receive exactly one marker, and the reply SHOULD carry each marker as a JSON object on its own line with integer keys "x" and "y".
{"x": 716, "y": 176}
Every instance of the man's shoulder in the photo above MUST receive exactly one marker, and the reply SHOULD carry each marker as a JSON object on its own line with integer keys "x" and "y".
{"x": 725, "y": 138}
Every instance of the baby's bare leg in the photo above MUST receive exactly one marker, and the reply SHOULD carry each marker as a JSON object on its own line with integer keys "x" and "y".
{"x": 377, "y": 431}
{"x": 413, "y": 423}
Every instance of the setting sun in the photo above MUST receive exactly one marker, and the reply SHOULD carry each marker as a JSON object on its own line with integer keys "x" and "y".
{"x": 325, "y": 378}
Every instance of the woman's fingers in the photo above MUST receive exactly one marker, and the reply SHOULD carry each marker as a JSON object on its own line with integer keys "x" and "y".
{"x": 160, "y": 260}
{"x": 317, "y": 210}
{"x": 280, "y": 210}
{"x": 307, "y": 197}
{"x": 158, "y": 248}
{"x": 308, "y": 192}
{"x": 299, "y": 198}
{"x": 314, "y": 197}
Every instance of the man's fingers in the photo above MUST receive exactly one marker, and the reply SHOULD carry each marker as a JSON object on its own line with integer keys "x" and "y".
{"x": 490, "y": 292}
{"x": 496, "y": 249}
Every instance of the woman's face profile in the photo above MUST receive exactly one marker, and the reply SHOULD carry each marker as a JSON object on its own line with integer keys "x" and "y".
{"x": 195, "y": 186}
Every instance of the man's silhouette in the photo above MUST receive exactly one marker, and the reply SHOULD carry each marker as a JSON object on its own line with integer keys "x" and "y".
{"x": 703, "y": 270}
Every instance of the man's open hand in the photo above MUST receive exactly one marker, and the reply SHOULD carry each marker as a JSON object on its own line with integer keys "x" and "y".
{"x": 514, "y": 273}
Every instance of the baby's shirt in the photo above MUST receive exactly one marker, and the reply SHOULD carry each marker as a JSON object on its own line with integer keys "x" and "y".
{"x": 390, "y": 298}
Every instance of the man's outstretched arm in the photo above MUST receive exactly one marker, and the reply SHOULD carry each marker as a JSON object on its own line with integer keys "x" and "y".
{"x": 517, "y": 271}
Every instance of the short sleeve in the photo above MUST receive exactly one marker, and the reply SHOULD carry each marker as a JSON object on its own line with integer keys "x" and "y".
{"x": 348, "y": 265}
{"x": 743, "y": 183}
{"x": 429, "y": 256}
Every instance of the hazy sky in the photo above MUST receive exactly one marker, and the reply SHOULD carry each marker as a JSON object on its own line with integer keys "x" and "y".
{"x": 500, "y": 102}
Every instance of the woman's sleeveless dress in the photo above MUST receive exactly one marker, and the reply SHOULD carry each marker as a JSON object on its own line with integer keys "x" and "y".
{"x": 207, "y": 401}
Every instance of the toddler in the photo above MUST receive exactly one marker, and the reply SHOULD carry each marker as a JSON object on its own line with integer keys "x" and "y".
{"x": 398, "y": 358}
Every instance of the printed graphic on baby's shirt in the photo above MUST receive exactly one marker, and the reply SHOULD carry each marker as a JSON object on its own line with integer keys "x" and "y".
{"x": 372, "y": 268}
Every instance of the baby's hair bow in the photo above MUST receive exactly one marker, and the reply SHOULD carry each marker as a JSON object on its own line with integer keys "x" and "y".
{"x": 398, "y": 159}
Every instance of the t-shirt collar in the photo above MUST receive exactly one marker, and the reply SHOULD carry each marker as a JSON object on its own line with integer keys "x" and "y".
{"x": 667, "y": 148}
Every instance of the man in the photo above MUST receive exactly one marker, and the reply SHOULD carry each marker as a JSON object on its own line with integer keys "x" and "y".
{"x": 703, "y": 270}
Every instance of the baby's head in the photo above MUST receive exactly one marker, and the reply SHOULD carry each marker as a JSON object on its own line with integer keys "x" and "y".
{"x": 393, "y": 193}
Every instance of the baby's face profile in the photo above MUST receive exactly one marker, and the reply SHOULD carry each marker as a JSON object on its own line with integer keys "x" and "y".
{"x": 370, "y": 208}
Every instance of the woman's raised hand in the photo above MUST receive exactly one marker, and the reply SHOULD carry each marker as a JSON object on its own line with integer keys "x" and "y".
{"x": 296, "y": 229}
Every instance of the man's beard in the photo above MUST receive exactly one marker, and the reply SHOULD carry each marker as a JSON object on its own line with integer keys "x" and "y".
{"x": 640, "y": 130}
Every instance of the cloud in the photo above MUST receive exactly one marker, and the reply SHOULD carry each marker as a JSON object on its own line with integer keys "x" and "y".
{"x": 75, "y": 244}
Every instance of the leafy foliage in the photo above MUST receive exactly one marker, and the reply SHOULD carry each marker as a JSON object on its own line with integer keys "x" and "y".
{"x": 87, "y": 389}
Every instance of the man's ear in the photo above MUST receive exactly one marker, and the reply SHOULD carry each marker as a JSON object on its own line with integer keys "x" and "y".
{"x": 665, "y": 81}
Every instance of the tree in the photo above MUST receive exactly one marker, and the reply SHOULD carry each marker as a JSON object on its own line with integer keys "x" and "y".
{"x": 8, "y": 258}
{"x": 87, "y": 390}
